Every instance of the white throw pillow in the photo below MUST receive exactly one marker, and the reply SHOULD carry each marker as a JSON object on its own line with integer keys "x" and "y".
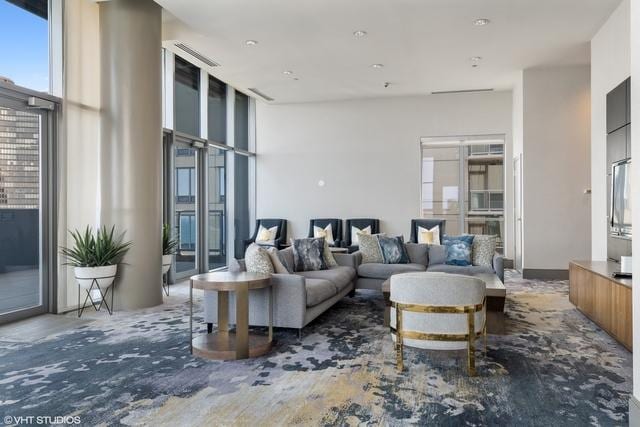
{"x": 354, "y": 234}
{"x": 436, "y": 235}
{"x": 326, "y": 232}
{"x": 266, "y": 236}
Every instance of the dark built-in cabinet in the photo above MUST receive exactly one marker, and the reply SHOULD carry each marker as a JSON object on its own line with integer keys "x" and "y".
{"x": 618, "y": 106}
{"x": 618, "y": 148}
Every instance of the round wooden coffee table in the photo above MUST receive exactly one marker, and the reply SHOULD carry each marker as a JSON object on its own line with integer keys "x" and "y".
{"x": 225, "y": 344}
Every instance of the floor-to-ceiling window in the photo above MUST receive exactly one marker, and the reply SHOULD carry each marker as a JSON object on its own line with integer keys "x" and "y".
{"x": 187, "y": 97}
{"x": 241, "y": 169}
{"x": 209, "y": 148}
{"x": 463, "y": 183}
{"x": 24, "y": 43}
{"x": 27, "y": 150}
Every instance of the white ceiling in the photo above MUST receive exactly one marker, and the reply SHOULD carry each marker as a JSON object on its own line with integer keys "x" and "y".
{"x": 425, "y": 45}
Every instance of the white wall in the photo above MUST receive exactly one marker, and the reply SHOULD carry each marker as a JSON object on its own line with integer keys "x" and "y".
{"x": 610, "y": 65}
{"x": 556, "y": 168}
{"x": 367, "y": 152}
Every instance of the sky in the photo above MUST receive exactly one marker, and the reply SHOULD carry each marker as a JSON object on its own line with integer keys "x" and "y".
{"x": 24, "y": 47}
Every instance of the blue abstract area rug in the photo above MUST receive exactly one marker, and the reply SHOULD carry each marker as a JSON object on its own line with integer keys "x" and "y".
{"x": 552, "y": 367}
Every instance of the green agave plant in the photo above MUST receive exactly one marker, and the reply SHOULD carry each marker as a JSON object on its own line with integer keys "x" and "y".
{"x": 169, "y": 242}
{"x": 95, "y": 250}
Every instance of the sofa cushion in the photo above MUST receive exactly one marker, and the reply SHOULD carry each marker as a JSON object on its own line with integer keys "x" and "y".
{"x": 287, "y": 257}
{"x": 418, "y": 253}
{"x": 279, "y": 262}
{"x": 384, "y": 271}
{"x": 340, "y": 276}
{"x": 468, "y": 270}
{"x": 318, "y": 291}
{"x": 437, "y": 254}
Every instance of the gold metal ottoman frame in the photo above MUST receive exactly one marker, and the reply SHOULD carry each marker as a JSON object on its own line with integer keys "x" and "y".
{"x": 470, "y": 336}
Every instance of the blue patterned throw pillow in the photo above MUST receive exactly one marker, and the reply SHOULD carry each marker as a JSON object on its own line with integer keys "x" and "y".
{"x": 393, "y": 250}
{"x": 458, "y": 249}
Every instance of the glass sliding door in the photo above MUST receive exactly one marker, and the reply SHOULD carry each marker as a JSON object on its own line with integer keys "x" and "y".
{"x": 241, "y": 197}
{"x": 216, "y": 211}
{"x": 441, "y": 189}
{"x": 185, "y": 212}
{"x": 463, "y": 183}
{"x": 24, "y": 281}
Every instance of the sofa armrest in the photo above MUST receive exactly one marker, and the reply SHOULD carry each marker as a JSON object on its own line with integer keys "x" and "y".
{"x": 346, "y": 260}
{"x": 498, "y": 265}
{"x": 289, "y": 299}
{"x": 358, "y": 257}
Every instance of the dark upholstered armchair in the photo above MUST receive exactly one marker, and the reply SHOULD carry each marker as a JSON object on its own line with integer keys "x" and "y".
{"x": 358, "y": 223}
{"x": 336, "y": 228}
{"x": 428, "y": 224}
{"x": 281, "y": 234}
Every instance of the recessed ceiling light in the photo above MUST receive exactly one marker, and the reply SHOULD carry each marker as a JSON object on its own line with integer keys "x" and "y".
{"x": 287, "y": 72}
{"x": 251, "y": 42}
{"x": 481, "y": 22}
{"x": 359, "y": 33}
{"x": 378, "y": 66}
{"x": 476, "y": 58}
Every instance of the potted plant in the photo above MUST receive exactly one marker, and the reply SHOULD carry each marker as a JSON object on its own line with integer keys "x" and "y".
{"x": 95, "y": 257}
{"x": 169, "y": 245}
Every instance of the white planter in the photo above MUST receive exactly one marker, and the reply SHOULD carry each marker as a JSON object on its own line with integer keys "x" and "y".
{"x": 104, "y": 275}
{"x": 167, "y": 260}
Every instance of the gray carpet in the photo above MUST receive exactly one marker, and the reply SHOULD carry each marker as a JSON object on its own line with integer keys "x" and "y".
{"x": 553, "y": 367}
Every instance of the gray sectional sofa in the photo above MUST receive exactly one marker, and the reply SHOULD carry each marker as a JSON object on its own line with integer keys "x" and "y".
{"x": 422, "y": 257}
{"x": 300, "y": 297}
{"x": 297, "y": 298}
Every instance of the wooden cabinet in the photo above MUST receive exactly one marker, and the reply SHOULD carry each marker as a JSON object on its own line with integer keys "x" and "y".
{"x": 603, "y": 299}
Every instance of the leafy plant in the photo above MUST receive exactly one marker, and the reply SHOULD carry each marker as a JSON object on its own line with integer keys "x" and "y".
{"x": 95, "y": 249}
{"x": 169, "y": 242}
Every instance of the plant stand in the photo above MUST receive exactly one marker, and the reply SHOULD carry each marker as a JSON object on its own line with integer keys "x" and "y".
{"x": 103, "y": 296}
{"x": 165, "y": 283}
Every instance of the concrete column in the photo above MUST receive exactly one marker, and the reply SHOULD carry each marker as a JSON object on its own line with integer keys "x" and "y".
{"x": 130, "y": 172}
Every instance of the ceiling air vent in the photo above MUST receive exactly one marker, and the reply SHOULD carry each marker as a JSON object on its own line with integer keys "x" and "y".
{"x": 260, "y": 94}
{"x": 197, "y": 55}
{"x": 461, "y": 91}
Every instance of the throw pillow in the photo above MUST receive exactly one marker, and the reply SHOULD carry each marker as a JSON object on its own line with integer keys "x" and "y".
{"x": 279, "y": 262}
{"x": 326, "y": 232}
{"x": 308, "y": 254}
{"x": 458, "y": 249}
{"x": 393, "y": 250}
{"x": 370, "y": 248}
{"x": 266, "y": 236}
{"x": 418, "y": 253}
{"x": 328, "y": 256}
{"x": 257, "y": 260}
{"x": 484, "y": 247}
{"x": 355, "y": 240}
{"x": 437, "y": 254}
{"x": 424, "y": 236}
